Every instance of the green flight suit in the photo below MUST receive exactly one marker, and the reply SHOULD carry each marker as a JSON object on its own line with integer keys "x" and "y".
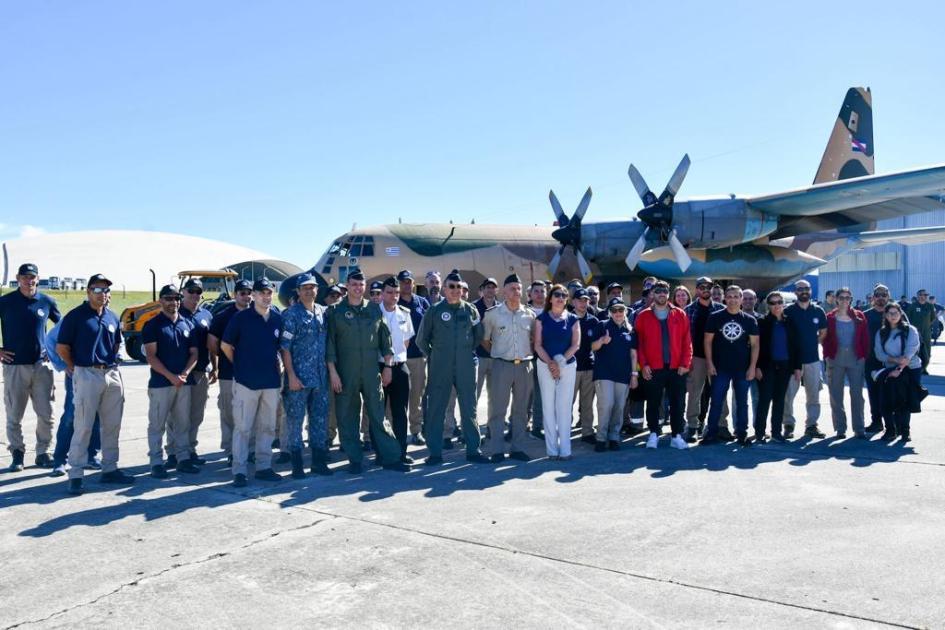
{"x": 921, "y": 316}
{"x": 448, "y": 337}
{"x": 356, "y": 334}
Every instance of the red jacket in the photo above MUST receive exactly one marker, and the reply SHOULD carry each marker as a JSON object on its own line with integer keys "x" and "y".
{"x": 861, "y": 335}
{"x": 650, "y": 339}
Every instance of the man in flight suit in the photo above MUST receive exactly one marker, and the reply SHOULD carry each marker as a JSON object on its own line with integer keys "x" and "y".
{"x": 449, "y": 333}
{"x": 357, "y": 332}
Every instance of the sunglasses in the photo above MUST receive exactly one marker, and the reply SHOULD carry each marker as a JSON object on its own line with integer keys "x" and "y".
{"x": 659, "y": 290}
{"x": 559, "y": 294}
{"x": 704, "y": 287}
{"x": 195, "y": 291}
{"x": 100, "y": 290}
{"x": 453, "y": 286}
{"x": 244, "y": 293}
{"x": 845, "y": 298}
{"x": 171, "y": 298}
{"x": 885, "y": 295}
{"x": 776, "y": 303}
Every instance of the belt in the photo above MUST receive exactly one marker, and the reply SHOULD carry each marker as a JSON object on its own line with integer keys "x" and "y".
{"x": 102, "y": 366}
{"x": 395, "y": 364}
{"x": 513, "y": 361}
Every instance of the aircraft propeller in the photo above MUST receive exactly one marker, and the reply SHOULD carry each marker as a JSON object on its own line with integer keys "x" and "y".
{"x": 569, "y": 234}
{"x": 657, "y": 215}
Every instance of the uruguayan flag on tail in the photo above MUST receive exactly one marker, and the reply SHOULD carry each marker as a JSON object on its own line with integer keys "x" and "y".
{"x": 392, "y": 251}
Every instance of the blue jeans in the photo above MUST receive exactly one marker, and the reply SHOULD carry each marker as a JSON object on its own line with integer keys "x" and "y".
{"x": 720, "y": 383}
{"x": 64, "y": 432}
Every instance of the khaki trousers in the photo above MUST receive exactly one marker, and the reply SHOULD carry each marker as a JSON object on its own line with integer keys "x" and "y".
{"x": 418, "y": 384}
{"x": 584, "y": 387}
{"x": 96, "y": 392}
{"x": 168, "y": 411}
{"x": 199, "y": 392}
{"x": 813, "y": 380}
{"x": 695, "y": 383}
{"x": 482, "y": 376}
{"x": 254, "y": 412}
{"x": 611, "y": 398}
{"x": 22, "y": 383}
{"x": 508, "y": 381}
{"x": 225, "y": 405}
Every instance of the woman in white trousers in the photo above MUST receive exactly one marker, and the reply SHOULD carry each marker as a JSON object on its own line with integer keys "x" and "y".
{"x": 557, "y": 339}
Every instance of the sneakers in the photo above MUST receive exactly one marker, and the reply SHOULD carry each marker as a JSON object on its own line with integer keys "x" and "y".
{"x": 239, "y": 480}
{"x": 653, "y": 440}
{"x": 93, "y": 464}
{"x": 477, "y": 458}
{"x": 814, "y": 432}
{"x": 888, "y": 436}
{"x": 158, "y": 472}
{"x": 725, "y": 434}
{"x": 417, "y": 439}
{"x": 788, "y": 431}
{"x": 497, "y": 458}
{"x": 875, "y": 426}
{"x": 58, "y": 471}
{"x": 17, "y": 464}
{"x": 760, "y": 438}
{"x": 75, "y": 487}
{"x": 520, "y": 456}
{"x": 538, "y": 433}
{"x": 117, "y": 476}
{"x": 433, "y": 460}
{"x": 43, "y": 460}
{"x": 267, "y": 474}
{"x": 691, "y": 433}
{"x": 171, "y": 462}
{"x": 321, "y": 468}
{"x": 860, "y": 435}
{"x": 679, "y": 442}
{"x": 778, "y": 438}
{"x": 743, "y": 440}
{"x": 284, "y": 457}
{"x": 841, "y": 436}
{"x": 196, "y": 460}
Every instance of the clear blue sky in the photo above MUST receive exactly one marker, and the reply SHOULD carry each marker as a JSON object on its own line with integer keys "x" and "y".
{"x": 278, "y": 125}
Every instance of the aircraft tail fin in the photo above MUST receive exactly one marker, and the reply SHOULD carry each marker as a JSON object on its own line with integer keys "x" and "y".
{"x": 849, "y": 151}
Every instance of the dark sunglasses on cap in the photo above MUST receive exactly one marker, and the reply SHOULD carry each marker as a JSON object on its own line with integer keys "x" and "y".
{"x": 100, "y": 290}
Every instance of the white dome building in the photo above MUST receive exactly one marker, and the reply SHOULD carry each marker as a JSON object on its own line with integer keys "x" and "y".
{"x": 124, "y": 256}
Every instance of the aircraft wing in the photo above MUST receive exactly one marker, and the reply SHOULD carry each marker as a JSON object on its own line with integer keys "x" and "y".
{"x": 907, "y": 236}
{"x": 856, "y": 194}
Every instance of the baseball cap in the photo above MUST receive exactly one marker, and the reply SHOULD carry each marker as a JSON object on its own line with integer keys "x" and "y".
{"x": 262, "y": 285}
{"x": 193, "y": 283}
{"x": 99, "y": 277}
{"x": 28, "y": 269}
{"x": 614, "y": 285}
{"x": 335, "y": 289}
{"x": 305, "y": 278}
{"x": 580, "y": 294}
{"x": 616, "y": 303}
{"x": 488, "y": 281}
{"x": 377, "y": 285}
{"x": 243, "y": 285}
{"x": 169, "y": 289}
{"x": 404, "y": 275}
{"x": 704, "y": 280}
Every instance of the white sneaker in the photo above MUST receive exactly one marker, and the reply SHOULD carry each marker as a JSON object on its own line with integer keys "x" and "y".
{"x": 653, "y": 440}
{"x": 678, "y": 442}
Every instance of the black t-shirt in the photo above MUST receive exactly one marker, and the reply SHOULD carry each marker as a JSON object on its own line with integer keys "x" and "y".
{"x": 731, "y": 346}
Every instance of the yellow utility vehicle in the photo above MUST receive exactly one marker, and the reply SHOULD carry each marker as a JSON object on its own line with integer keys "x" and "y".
{"x": 217, "y": 283}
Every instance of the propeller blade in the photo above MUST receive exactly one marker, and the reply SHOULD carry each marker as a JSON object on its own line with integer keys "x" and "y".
{"x": 585, "y": 268}
{"x": 682, "y": 257}
{"x": 646, "y": 195}
{"x": 675, "y": 182}
{"x": 633, "y": 257}
{"x": 553, "y": 265}
{"x": 556, "y": 206}
{"x": 582, "y": 207}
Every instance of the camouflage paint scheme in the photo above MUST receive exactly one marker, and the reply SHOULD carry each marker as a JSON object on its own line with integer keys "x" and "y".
{"x": 763, "y": 242}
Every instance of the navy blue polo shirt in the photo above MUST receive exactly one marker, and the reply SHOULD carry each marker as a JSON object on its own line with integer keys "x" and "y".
{"x": 590, "y": 326}
{"x": 201, "y": 322}
{"x": 23, "y": 321}
{"x": 417, "y": 306}
{"x": 93, "y": 338}
{"x": 174, "y": 341}
{"x": 612, "y": 361}
{"x": 256, "y": 348}
{"x": 217, "y": 327}
{"x": 807, "y": 323}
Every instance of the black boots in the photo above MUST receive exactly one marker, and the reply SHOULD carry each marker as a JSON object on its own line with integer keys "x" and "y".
{"x": 298, "y": 472}
{"x": 320, "y": 462}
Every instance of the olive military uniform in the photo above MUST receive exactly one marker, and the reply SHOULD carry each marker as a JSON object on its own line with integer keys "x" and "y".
{"x": 921, "y": 316}
{"x": 448, "y": 336}
{"x": 356, "y": 334}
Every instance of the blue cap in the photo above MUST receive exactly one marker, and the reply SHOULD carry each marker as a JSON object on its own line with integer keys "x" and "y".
{"x": 169, "y": 289}
{"x": 377, "y": 285}
{"x": 262, "y": 284}
{"x": 306, "y": 278}
{"x": 243, "y": 285}
{"x": 28, "y": 269}
{"x": 616, "y": 302}
{"x": 406, "y": 274}
{"x": 581, "y": 294}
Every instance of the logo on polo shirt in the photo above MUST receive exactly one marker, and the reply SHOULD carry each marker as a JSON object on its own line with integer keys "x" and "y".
{"x": 187, "y": 333}
{"x": 349, "y": 314}
{"x": 111, "y": 328}
{"x": 204, "y": 323}
{"x": 816, "y": 320}
{"x": 40, "y": 312}
{"x": 732, "y": 331}
{"x": 275, "y": 332}
{"x": 446, "y": 317}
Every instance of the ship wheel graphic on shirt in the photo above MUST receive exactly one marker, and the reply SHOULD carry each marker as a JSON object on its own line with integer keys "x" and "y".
{"x": 732, "y": 331}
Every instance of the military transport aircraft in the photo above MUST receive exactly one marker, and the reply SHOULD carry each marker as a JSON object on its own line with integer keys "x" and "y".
{"x": 764, "y": 241}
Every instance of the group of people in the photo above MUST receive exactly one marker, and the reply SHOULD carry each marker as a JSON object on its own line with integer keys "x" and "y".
{"x": 385, "y": 367}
